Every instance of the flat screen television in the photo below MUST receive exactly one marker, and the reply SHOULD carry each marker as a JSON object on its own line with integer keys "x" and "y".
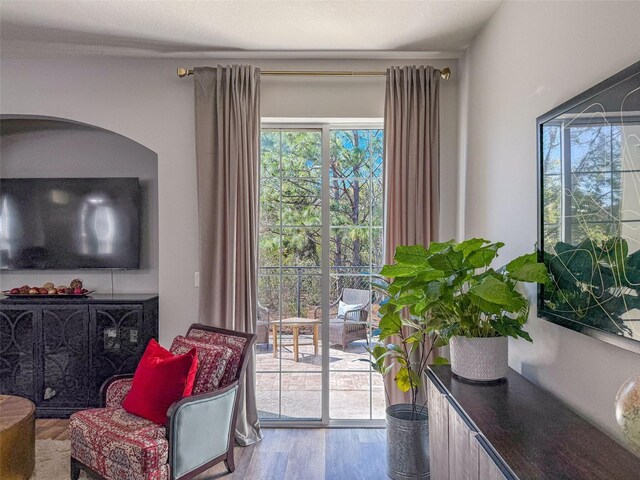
{"x": 69, "y": 223}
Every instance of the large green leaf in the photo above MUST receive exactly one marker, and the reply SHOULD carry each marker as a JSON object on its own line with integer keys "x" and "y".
{"x": 530, "y": 272}
{"x": 390, "y": 322}
{"x": 520, "y": 261}
{"x": 434, "y": 290}
{"x": 470, "y": 245}
{"x": 492, "y": 291}
{"x": 447, "y": 261}
{"x": 411, "y": 255}
{"x": 407, "y": 299}
{"x": 403, "y": 381}
{"x": 435, "y": 247}
{"x": 392, "y": 271}
{"x": 484, "y": 256}
{"x": 387, "y": 308}
{"x": 429, "y": 275}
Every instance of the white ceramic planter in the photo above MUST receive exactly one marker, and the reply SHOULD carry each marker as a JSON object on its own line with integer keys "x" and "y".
{"x": 479, "y": 359}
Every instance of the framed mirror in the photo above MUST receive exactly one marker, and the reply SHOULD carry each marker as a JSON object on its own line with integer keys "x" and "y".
{"x": 589, "y": 211}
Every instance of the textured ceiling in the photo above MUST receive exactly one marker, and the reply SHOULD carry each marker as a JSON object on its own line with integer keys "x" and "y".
{"x": 304, "y": 28}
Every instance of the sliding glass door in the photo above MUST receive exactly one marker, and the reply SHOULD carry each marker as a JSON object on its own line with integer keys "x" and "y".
{"x": 321, "y": 211}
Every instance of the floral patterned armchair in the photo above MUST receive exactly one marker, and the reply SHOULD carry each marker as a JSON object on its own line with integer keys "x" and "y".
{"x": 110, "y": 443}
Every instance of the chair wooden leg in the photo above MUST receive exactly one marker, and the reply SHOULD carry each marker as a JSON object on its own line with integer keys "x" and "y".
{"x": 229, "y": 462}
{"x": 75, "y": 469}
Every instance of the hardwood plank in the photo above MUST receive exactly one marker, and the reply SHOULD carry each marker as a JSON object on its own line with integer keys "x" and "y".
{"x": 301, "y": 454}
{"x": 288, "y": 454}
{"x": 52, "y": 428}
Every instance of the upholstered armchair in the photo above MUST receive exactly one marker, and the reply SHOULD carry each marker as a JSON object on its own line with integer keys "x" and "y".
{"x": 110, "y": 443}
{"x": 353, "y": 326}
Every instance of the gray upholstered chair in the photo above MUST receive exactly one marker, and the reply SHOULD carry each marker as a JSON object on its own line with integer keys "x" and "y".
{"x": 111, "y": 444}
{"x": 343, "y": 331}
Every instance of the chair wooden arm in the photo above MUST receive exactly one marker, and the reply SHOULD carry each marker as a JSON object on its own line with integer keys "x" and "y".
{"x": 356, "y": 314}
{"x": 317, "y": 309}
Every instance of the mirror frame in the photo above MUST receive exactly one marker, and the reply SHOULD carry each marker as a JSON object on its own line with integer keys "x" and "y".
{"x": 617, "y": 340}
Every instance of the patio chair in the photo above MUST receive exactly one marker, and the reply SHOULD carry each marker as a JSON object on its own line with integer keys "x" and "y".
{"x": 353, "y": 326}
{"x": 262, "y": 327}
{"x": 111, "y": 444}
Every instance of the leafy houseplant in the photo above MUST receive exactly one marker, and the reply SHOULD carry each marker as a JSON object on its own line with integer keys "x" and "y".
{"x": 407, "y": 424}
{"x": 445, "y": 292}
{"x": 450, "y": 289}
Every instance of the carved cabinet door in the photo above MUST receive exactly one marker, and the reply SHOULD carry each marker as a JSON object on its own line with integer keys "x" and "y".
{"x": 65, "y": 356}
{"x": 18, "y": 345}
{"x": 118, "y": 342}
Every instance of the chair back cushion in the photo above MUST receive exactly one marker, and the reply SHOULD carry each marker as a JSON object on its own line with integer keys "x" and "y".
{"x": 345, "y": 308}
{"x": 235, "y": 343}
{"x": 213, "y": 360}
{"x": 353, "y": 296}
{"x": 161, "y": 379}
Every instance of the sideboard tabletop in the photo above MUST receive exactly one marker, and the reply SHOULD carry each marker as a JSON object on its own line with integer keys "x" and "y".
{"x": 93, "y": 298}
{"x": 535, "y": 434}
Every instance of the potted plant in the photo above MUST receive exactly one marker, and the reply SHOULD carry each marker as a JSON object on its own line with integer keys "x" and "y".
{"x": 446, "y": 292}
{"x": 405, "y": 355}
{"x": 452, "y": 287}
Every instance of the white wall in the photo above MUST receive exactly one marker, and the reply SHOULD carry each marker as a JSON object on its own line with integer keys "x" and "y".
{"x": 529, "y": 58}
{"x": 145, "y": 101}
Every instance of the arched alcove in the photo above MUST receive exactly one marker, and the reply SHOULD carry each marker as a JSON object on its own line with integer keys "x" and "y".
{"x": 49, "y": 147}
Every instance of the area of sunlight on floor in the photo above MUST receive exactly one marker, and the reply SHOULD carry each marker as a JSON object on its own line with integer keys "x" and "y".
{"x": 302, "y": 388}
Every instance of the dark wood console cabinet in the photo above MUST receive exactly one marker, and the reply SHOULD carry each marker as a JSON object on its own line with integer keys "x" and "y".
{"x": 58, "y": 352}
{"x": 513, "y": 429}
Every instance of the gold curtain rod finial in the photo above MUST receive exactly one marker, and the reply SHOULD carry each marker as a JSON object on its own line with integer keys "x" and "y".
{"x": 445, "y": 73}
{"x": 183, "y": 72}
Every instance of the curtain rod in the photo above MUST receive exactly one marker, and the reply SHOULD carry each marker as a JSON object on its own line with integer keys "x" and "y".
{"x": 445, "y": 73}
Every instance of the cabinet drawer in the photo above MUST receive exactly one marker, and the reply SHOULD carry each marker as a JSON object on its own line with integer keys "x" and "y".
{"x": 463, "y": 447}
{"x": 18, "y": 351}
{"x": 119, "y": 340}
{"x": 438, "y": 432}
{"x": 65, "y": 357}
{"x": 488, "y": 468}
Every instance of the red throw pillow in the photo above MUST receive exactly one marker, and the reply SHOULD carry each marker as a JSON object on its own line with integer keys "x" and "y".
{"x": 160, "y": 379}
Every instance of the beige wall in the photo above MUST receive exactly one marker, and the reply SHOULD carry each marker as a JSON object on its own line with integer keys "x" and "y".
{"x": 531, "y": 57}
{"x": 145, "y": 101}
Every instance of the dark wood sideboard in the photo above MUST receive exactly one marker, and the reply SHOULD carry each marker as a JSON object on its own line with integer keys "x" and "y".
{"x": 513, "y": 429}
{"x": 57, "y": 352}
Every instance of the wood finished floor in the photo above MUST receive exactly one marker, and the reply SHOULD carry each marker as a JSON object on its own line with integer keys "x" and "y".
{"x": 289, "y": 454}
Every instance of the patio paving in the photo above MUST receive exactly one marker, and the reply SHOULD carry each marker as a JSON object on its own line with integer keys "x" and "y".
{"x": 302, "y": 384}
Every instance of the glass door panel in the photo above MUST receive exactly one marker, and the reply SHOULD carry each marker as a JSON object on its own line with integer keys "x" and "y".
{"x": 289, "y": 366}
{"x": 356, "y": 255}
{"x": 291, "y": 370}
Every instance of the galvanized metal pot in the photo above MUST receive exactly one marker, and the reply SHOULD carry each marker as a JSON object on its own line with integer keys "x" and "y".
{"x": 407, "y": 443}
{"x": 479, "y": 359}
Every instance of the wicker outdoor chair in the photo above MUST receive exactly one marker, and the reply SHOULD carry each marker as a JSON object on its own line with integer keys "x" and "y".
{"x": 343, "y": 331}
